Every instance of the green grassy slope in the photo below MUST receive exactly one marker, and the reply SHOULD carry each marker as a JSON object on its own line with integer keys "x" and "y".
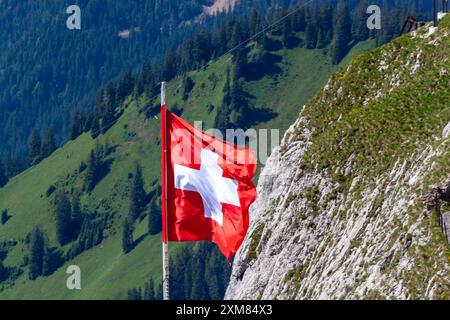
{"x": 106, "y": 272}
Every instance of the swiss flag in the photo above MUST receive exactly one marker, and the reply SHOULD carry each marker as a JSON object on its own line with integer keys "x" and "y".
{"x": 207, "y": 186}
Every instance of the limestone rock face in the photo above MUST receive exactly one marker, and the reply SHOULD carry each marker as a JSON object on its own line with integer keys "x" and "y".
{"x": 339, "y": 212}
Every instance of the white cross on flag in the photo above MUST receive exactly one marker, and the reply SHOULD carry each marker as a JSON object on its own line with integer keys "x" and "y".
{"x": 208, "y": 186}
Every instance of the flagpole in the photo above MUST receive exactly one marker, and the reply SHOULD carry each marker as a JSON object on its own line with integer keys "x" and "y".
{"x": 164, "y": 153}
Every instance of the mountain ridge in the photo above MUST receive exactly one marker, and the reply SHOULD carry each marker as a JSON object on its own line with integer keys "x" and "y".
{"x": 340, "y": 212}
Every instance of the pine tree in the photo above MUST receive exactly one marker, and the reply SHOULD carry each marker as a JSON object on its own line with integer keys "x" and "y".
{"x": 212, "y": 274}
{"x": 360, "y": 32}
{"x": 34, "y": 147}
{"x": 254, "y": 24}
{"x": 95, "y": 127}
{"x": 76, "y": 219}
{"x": 286, "y": 32}
{"x": 137, "y": 195}
{"x": 134, "y": 294}
{"x": 127, "y": 236}
{"x": 221, "y": 121}
{"x": 199, "y": 287}
{"x": 3, "y": 272}
{"x": 37, "y": 250}
{"x": 311, "y": 29}
{"x": 91, "y": 172}
{"x": 48, "y": 144}
{"x": 154, "y": 218}
{"x": 298, "y": 21}
{"x": 46, "y": 262}
{"x": 325, "y": 22}
{"x": 78, "y": 121}
{"x": 149, "y": 292}
{"x": 107, "y": 105}
{"x": 3, "y": 179}
{"x": 169, "y": 65}
{"x": 342, "y": 32}
{"x": 13, "y": 166}
{"x": 188, "y": 85}
{"x": 125, "y": 87}
{"x": 63, "y": 218}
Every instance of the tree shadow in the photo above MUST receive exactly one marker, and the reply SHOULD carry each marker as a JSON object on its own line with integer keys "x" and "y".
{"x": 294, "y": 42}
{"x": 152, "y": 111}
{"x": 55, "y": 259}
{"x": 267, "y": 66}
{"x": 154, "y": 192}
{"x": 273, "y": 44}
{"x": 261, "y": 115}
{"x": 138, "y": 241}
{"x": 6, "y": 219}
{"x": 103, "y": 169}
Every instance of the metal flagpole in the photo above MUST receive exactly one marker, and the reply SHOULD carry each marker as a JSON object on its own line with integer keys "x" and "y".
{"x": 164, "y": 153}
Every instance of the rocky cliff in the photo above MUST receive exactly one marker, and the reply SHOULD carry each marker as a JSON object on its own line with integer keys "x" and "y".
{"x": 340, "y": 212}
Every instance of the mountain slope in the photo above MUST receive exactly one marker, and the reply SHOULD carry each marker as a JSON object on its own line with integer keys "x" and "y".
{"x": 106, "y": 271}
{"x": 339, "y": 213}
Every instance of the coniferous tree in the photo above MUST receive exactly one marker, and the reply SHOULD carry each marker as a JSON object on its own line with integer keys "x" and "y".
{"x": 239, "y": 106}
{"x": 78, "y": 121}
{"x": 169, "y": 65}
{"x": 325, "y": 25}
{"x": 286, "y": 32}
{"x": 311, "y": 30}
{"x": 3, "y": 178}
{"x": 222, "y": 120}
{"x": 76, "y": 219}
{"x": 91, "y": 171}
{"x": 46, "y": 262}
{"x": 188, "y": 85}
{"x": 37, "y": 251}
{"x": 159, "y": 292}
{"x": 254, "y": 24}
{"x": 124, "y": 87}
{"x": 107, "y": 104}
{"x": 360, "y": 32}
{"x": 13, "y": 166}
{"x": 149, "y": 292}
{"x": 137, "y": 195}
{"x": 298, "y": 21}
{"x": 342, "y": 32}
{"x": 134, "y": 294}
{"x": 154, "y": 218}
{"x": 3, "y": 272}
{"x": 127, "y": 235}
{"x": 199, "y": 286}
{"x": 48, "y": 144}
{"x": 212, "y": 277}
{"x": 63, "y": 218}
{"x": 95, "y": 127}
{"x": 34, "y": 147}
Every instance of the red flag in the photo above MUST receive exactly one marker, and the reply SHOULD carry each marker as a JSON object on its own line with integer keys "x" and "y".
{"x": 208, "y": 186}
